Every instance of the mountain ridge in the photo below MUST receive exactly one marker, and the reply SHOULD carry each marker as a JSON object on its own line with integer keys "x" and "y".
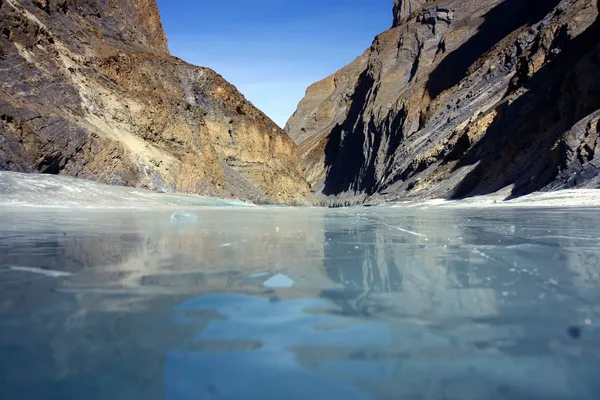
{"x": 457, "y": 100}
{"x": 90, "y": 90}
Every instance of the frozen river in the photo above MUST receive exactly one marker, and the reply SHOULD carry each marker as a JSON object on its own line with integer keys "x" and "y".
{"x": 273, "y": 303}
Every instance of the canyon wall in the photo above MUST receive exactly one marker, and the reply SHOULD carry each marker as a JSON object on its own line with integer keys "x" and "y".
{"x": 89, "y": 90}
{"x": 460, "y": 98}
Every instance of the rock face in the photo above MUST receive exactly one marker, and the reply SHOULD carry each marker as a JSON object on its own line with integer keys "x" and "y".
{"x": 89, "y": 89}
{"x": 404, "y": 9}
{"x": 461, "y": 98}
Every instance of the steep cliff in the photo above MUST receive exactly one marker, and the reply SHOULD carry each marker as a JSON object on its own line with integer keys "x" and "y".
{"x": 460, "y": 98}
{"x": 89, "y": 89}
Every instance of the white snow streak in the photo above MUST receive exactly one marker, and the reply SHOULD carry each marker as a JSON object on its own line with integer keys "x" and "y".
{"x": 40, "y": 271}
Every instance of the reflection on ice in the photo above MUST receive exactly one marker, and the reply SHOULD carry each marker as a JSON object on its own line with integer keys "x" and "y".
{"x": 284, "y": 325}
{"x": 302, "y": 348}
{"x": 301, "y": 303}
{"x": 183, "y": 218}
{"x": 270, "y": 371}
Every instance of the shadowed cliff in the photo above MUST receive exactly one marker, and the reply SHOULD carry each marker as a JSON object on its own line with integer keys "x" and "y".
{"x": 460, "y": 98}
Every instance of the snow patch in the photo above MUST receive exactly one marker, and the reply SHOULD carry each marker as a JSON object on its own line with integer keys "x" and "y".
{"x": 279, "y": 281}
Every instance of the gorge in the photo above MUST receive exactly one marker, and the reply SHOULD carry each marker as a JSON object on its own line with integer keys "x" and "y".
{"x": 457, "y": 99}
{"x": 460, "y": 98}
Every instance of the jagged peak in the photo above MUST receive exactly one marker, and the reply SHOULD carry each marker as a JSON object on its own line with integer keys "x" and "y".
{"x": 135, "y": 22}
{"x": 403, "y": 9}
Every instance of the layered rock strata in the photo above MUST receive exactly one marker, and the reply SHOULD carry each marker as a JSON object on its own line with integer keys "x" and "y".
{"x": 89, "y": 89}
{"x": 460, "y": 98}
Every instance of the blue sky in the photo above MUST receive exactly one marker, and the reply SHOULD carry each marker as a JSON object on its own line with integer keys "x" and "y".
{"x": 272, "y": 50}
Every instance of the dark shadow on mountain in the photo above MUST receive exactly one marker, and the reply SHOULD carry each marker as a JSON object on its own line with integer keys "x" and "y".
{"x": 499, "y": 22}
{"x": 523, "y": 144}
{"x": 344, "y": 156}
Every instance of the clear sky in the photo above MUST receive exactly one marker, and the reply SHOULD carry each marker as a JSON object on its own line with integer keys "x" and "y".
{"x": 272, "y": 50}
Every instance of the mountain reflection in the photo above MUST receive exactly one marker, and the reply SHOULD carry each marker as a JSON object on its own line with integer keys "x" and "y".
{"x": 382, "y": 270}
{"x": 275, "y": 303}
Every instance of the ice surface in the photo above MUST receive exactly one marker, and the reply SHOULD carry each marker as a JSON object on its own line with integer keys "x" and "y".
{"x": 183, "y": 218}
{"x": 279, "y": 281}
{"x": 503, "y": 199}
{"x": 30, "y": 190}
{"x": 258, "y": 275}
{"x": 359, "y": 303}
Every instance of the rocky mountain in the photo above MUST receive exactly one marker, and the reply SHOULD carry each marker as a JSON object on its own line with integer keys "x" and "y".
{"x": 89, "y": 89}
{"x": 461, "y": 98}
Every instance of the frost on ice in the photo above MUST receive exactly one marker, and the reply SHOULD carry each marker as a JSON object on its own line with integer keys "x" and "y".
{"x": 183, "y": 218}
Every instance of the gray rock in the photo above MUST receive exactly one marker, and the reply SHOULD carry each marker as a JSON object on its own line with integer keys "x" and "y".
{"x": 460, "y": 98}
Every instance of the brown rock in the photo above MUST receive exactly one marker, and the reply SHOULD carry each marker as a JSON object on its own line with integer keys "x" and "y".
{"x": 404, "y": 9}
{"x": 89, "y": 90}
{"x": 461, "y": 98}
